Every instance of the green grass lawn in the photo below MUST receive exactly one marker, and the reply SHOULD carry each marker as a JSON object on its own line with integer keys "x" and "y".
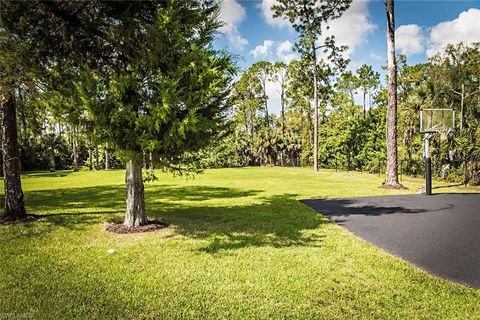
{"x": 239, "y": 245}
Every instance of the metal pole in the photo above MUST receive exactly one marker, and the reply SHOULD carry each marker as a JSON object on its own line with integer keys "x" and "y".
{"x": 428, "y": 176}
{"x": 428, "y": 165}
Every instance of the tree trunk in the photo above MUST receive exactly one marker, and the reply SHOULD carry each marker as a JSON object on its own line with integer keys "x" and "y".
{"x": 75, "y": 151}
{"x": 107, "y": 158}
{"x": 245, "y": 119}
{"x": 265, "y": 101}
{"x": 364, "y": 105}
{"x": 392, "y": 161}
{"x": 51, "y": 155}
{"x": 267, "y": 120}
{"x": 14, "y": 204}
{"x": 462, "y": 108}
{"x": 310, "y": 123}
{"x": 282, "y": 102}
{"x": 315, "y": 106}
{"x": 150, "y": 161}
{"x": 250, "y": 123}
{"x": 135, "y": 213}
{"x": 97, "y": 161}
{"x": 90, "y": 160}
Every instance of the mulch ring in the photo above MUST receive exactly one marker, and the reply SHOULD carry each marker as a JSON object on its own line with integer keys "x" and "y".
{"x": 28, "y": 218}
{"x": 152, "y": 225}
{"x": 393, "y": 187}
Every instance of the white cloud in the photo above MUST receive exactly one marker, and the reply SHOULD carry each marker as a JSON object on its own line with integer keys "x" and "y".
{"x": 266, "y": 7}
{"x": 409, "y": 39}
{"x": 376, "y": 56}
{"x": 232, "y": 14}
{"x": 464, "y": 28}
{"x": 354, "y": 65}
{"x": 285, "y": 51}
{"x": 262, "y": 50}
{"x": 352, "y": 28}
{"x": 236, "y": 39}
{"x": 273, "y": 93}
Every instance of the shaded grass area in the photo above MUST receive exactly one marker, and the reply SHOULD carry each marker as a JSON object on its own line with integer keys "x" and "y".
{"x": 238, "y": 245}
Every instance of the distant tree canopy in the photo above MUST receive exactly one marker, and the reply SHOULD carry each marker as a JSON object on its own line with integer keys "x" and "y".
{"x": 351, "y": 139}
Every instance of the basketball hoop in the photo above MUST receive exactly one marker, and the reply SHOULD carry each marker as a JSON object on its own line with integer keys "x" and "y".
{"x": 434, "y": 121}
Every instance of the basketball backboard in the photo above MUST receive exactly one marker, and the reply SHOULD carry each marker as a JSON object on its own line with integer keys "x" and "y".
{"x": 437, "y": 120}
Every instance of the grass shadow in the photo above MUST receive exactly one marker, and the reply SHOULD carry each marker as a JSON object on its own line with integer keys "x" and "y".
{"x": 47, "y": 174}
{"x": 274, "y": 221}
{"x": 224, "y": 216}
{"x": 449, "y": 186}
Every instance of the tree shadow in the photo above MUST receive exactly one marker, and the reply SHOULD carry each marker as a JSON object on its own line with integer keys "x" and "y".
{"x": 275, "y": 221}
{"x": 448, "y": 186}
{"x": 362, "y": 206}
{"x": 47, "y": 174}
{"x": 346, "y": 207}
{"x": 226, "y": 218}
{"x": 112, "y": 198}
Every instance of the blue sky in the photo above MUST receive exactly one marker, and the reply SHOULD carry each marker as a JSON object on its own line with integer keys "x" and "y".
{"x": 423, "y": 27}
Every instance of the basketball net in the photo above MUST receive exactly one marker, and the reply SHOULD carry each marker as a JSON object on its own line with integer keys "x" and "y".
{"x": 444, "y": 133}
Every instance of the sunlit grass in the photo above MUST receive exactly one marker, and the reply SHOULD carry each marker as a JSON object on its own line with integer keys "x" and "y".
{"x": 239, "y": 245}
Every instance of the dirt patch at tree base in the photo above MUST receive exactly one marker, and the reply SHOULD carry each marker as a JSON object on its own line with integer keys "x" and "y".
{"x": 28, "y": 218}
{"x": 393, "y": 186}
{"x": 152, "y": 225}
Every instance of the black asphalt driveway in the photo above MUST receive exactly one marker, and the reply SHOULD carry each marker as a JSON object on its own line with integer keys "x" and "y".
{"x": 439, "y": 233}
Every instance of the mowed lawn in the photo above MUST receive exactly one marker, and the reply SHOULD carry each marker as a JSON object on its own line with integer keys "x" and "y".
{"x": 239, "y": 245}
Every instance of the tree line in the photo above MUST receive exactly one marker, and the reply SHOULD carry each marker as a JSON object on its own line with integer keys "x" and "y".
{"x": 352, "y": 131}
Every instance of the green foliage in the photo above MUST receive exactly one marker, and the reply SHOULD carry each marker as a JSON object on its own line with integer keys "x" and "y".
{"x": 267, "y": 145}
{"x": 350, "y": 139}
{"x": 367, "y": 81}
{"x": 230, "y": 151}
{"x": 347, "y": 84}
{"x": 114, "y": 162}
{"x": 168, "y": 104}
{"x": 260, "y": 72}
{"x": 310, "y": 16}
{"x": 350, "y": 142}
{"x": 140, "y": 76}
{"x": 82, "y": 73}
{"x": 438, "y": 84}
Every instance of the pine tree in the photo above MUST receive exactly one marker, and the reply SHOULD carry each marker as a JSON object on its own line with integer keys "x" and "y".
{"x": 167, "y": 96}
{"x": 308, "y": 18}
{"x": 392, "y": 152}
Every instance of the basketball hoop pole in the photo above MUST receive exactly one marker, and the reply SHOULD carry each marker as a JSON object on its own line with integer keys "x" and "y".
{"x": 428, "y": 164}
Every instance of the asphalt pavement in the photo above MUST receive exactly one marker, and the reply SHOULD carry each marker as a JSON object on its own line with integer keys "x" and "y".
{"x": 438, "y": 233}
